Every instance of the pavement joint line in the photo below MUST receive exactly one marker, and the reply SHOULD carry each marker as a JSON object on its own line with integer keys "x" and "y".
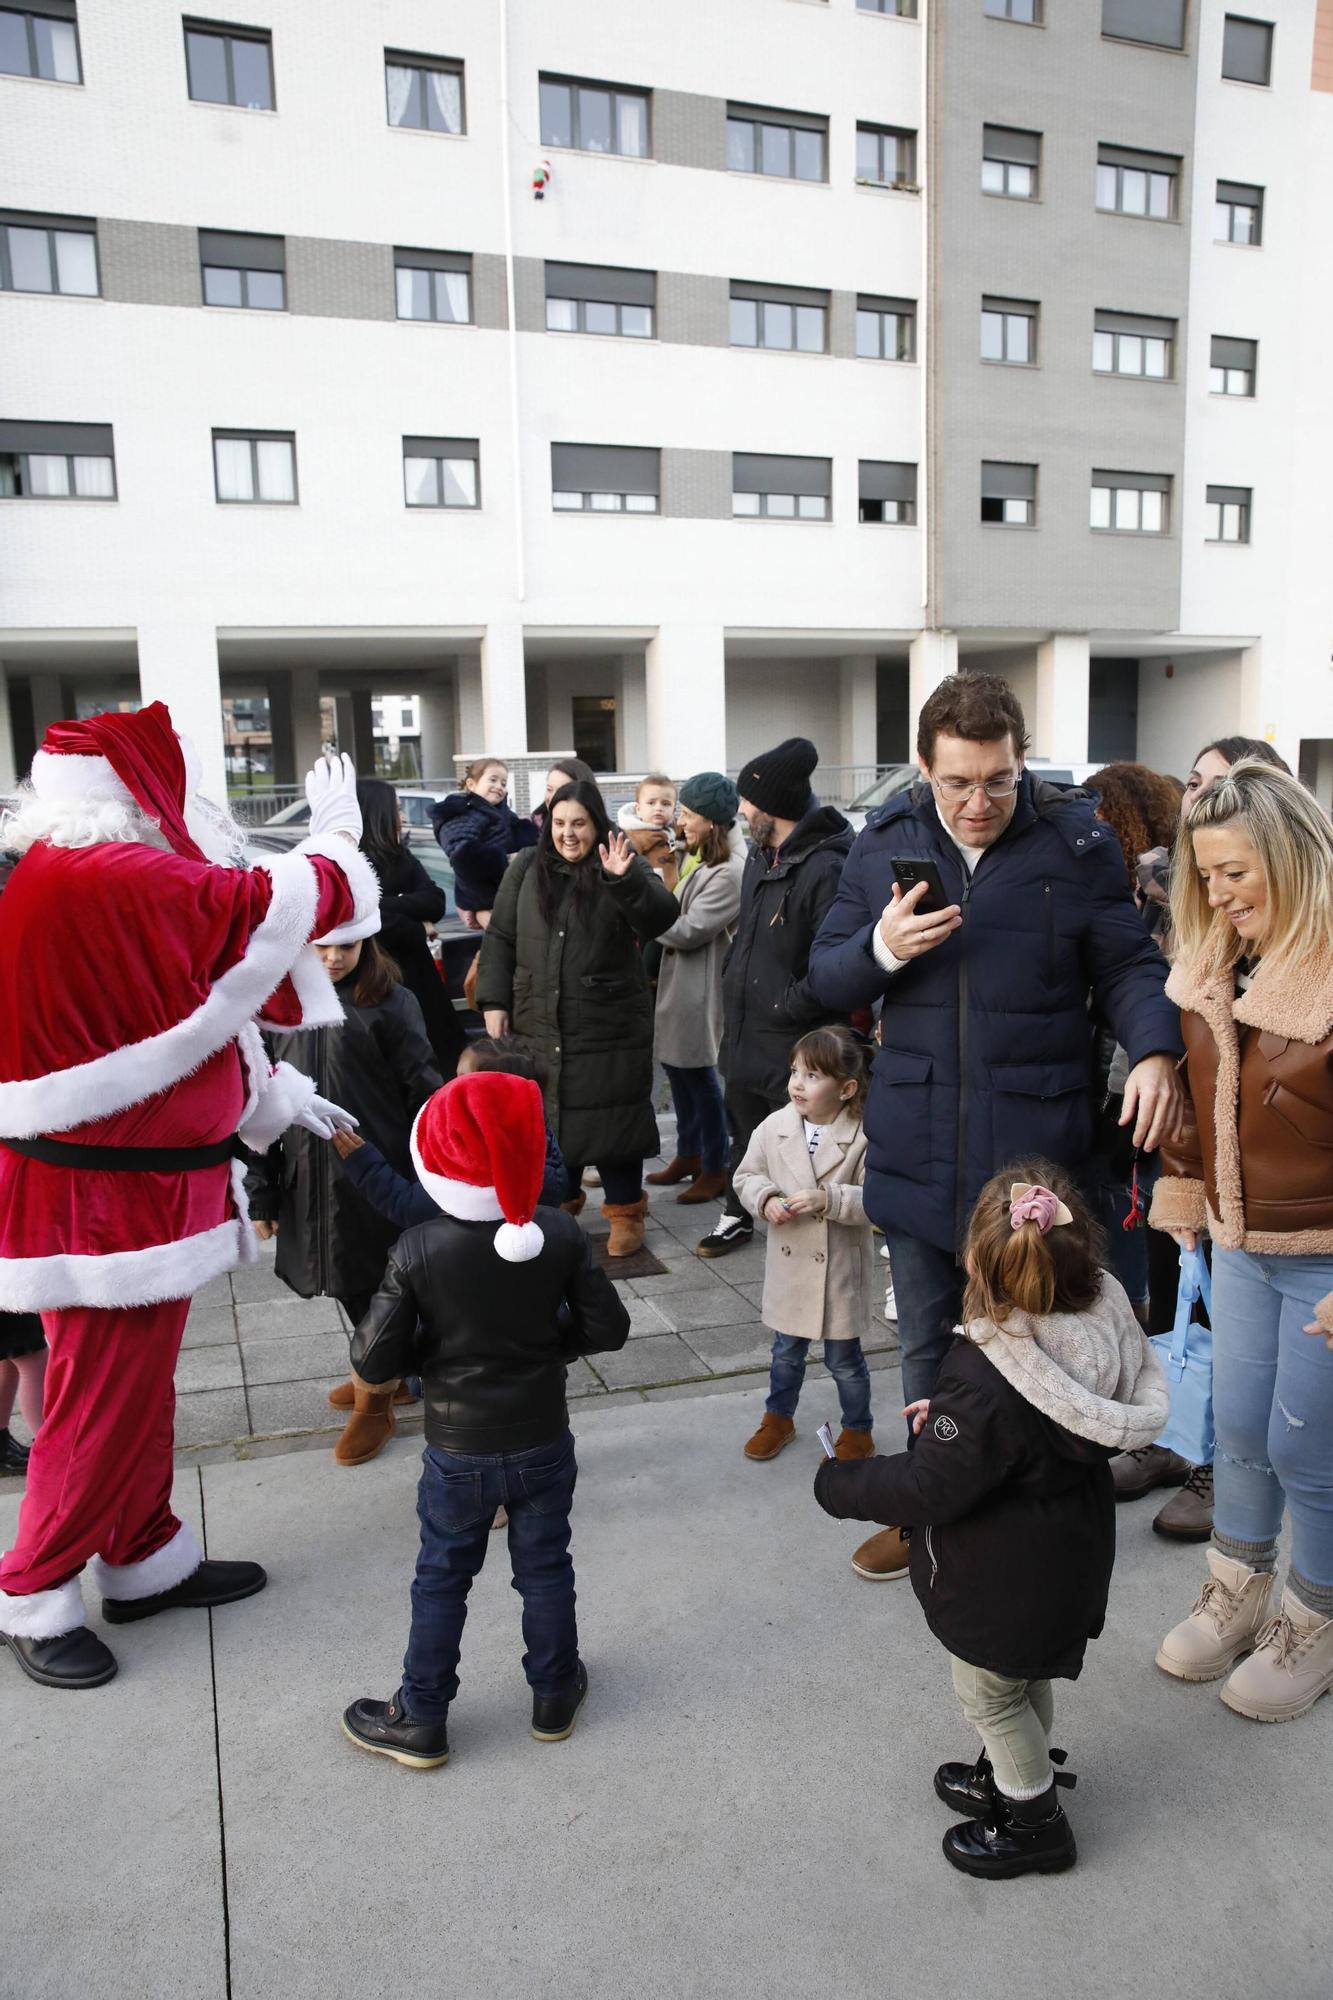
{"x": 217, "y": 1760}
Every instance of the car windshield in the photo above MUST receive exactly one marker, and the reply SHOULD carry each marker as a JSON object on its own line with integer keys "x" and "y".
{"x": 885, "y": 788}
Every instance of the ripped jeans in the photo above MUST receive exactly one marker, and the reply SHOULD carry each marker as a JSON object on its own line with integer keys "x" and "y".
{"x": 1273, "y": 1408}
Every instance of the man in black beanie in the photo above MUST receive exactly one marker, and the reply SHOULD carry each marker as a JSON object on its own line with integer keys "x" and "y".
{"x": 791, "y": 879}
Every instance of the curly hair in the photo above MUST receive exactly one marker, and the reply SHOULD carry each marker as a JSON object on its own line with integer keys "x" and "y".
{"x": 1141, "y": 807}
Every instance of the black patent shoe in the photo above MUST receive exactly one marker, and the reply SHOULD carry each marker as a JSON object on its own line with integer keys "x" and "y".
{"x": 1033, "y": 1838}
{"x": 13, "y": 1455}
{"x": 554, "y": 1715}
{"x": 212, "y": 1583}
{"x": 386, "y": 1729}
{"x": 76, "y": 1659}
{"x": 970, "y": 1788}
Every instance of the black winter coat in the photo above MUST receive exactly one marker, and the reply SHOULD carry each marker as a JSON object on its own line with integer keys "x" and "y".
{"x": 986, "y": 1043}
{"x": 409, "y": 900}
{"x": 378, "y": 1066}
{"x": 1013, "y": 1521}
{"x": 479, "y": 839}
{"x": 768, "y": 1001}
{"x": 577, "y": 988}
{"x": 489, "y": 1339}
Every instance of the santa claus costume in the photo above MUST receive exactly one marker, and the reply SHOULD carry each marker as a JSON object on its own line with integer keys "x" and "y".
{"x": 133, "y": 973}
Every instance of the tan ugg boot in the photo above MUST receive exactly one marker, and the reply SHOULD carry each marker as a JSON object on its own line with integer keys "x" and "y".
{"x": 344, "y": 1396}
{"x": 1290, "y": 1667}
{"x": 683, "y": 1167}
{"x": 770, "y": 1438}
{"x": 626, "y": 1220}
{"x": 371, "y": 1424}
{"x": 1227, "y": 1618}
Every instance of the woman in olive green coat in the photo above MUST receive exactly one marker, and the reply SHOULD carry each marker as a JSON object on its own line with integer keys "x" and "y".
{"x": 561, "y": 965}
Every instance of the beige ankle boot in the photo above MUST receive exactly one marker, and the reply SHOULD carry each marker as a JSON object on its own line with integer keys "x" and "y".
{"x": 1290, "y": 1667}
{"x": 1225, "y": 1622}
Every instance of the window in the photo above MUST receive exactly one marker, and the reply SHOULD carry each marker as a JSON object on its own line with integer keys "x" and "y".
{"x": 886, "y": 156}
{"x": 1130, "y": 503}
{"x": 1159, "y": 23}
{"x": 594, "y": 117}
{"x": 1228, "y": 514}
{"x": 406, "y": 718}
{"x": 1131, "y": 183}
{"x": 41, "y": 42}
{"x": 1009, "y": 330}
{"x": 1233, "y": 365}
{"x": 905, "y": 9}
{"x": 243, "y": 270}
{"x": 887, "y": 492}
{"x": 1008, "y": 494}
{"x": 1239, "y": 214}
{"x": 48, "y": 253}
{"x": 440, "y": 472}
{"x": 254, "y": 466}
{"x": 1247, "y": 50}
{"x": 781, "y": 489}
{"x": 434, "y": 284}
{"x": 425, "y": 93}
{"x": 793, "y": 145}
{"x": 1125, "y": 345}
{"x": 227, "y": 65}
{"x": 1009, "y": 162}
{"x": 1028, "y": 11}
{"x": 591, "y": 298}
{"x": 885, "y": 329}
{"x": 778, "y": 316}
{"x": 57, "y": 462}
{"x": 605, "y": 479}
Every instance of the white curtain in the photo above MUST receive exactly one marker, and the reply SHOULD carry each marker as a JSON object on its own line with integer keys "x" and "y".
{"x": 93, "y": 479}
{"x": 399, "y": 81}
{"x": 421, "y": 487}
{"x": 277, "y": 470}
{"x": 76, "y": 263}
{"x": 234, "y": 469}
{"x": 454, "y": 285}
{"x": 447, "y": 92}
{"x": 460, "y": 482}
{"x": 48, "y": 473}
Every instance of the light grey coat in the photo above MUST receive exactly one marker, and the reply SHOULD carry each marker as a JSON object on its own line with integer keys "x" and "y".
{"x": 818, "y": 1269}
{"x": 687, "y": 1029}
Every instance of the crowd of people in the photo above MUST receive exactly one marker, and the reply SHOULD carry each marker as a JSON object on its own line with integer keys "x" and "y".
{"x": 1013, "y": 1048}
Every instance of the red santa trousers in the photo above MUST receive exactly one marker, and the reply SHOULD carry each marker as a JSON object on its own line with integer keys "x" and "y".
{"x": 99, "y": 1477}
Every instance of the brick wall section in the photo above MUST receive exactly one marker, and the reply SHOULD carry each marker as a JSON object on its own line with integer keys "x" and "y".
{"x": 1321, "y": 69}
{"x": 842, "y": 325}
{"x": 331, "y": 279}
{"x": 696, "y": 485}
{"x": 693, "y": 310}
{"x": 490, "y": 306}
{"x": 149, "y": 263}
{"x": 530, "y": 294}
{"x": 689, "y": 130}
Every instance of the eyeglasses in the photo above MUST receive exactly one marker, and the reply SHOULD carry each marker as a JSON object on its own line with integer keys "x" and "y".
{"x": 963, "y": 788}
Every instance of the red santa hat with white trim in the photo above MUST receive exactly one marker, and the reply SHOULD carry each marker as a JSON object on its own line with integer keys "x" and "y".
{"x": 479, "y": 1148}
{"x": 136, "y": 757}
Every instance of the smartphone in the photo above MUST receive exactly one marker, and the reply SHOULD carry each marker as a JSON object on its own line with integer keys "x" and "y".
{"x": 908, "y": 870}
{"x": 825, "y": 1436}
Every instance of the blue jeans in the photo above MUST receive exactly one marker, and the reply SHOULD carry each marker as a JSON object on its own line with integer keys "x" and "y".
{"x": 456, "y": 1503}
{"x": 1273, "y": 1406}
{"x": 701, "y": 1120}
{"x": 845, "y": 1362}
{"x": 928, "y": 1288}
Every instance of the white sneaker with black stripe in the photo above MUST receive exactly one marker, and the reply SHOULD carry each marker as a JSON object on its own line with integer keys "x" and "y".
{"x": 727, "y": 1233}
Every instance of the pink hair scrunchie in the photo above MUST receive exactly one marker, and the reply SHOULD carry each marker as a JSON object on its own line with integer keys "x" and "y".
{"x": 1039, "y": 1205}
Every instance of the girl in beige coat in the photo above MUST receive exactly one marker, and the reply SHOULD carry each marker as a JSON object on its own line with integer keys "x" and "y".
{"x": 803, "y": 1172}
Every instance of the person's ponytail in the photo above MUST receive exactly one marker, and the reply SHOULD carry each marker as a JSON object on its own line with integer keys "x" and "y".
{"x": 1027, "y": 1272}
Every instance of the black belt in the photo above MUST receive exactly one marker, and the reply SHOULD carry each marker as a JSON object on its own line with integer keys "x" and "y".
{"x": 132, "y": 1159}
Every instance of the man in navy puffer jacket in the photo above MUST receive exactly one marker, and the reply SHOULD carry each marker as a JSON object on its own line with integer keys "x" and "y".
{"x": 985, "y": 1029}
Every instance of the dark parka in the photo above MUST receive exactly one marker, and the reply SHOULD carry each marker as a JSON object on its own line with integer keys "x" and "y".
{"x": 987, "y": 1041}
{"x": 380, "y": 1067}
{"x": 479, "y": 838}
{"x": 768, "y": 1001}
{"x": 409, "y": 900}
{"x": 576, "y": 987}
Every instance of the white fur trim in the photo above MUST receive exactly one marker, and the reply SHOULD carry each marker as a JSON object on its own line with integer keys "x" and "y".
{"x": 360, "y": 927}
{"x": 362, "y": 880}
{"x": 320, "y": 1005}
{"x": 144, "y": 1277}
{"x": 163, "y": 1570}
{"x": 55, "y": 776}
{"x": 519, "y": 1242}
{"x": 456, "y": 1198}
{"x": 43, "y": 1614}
{"x": 283, "y": 1096}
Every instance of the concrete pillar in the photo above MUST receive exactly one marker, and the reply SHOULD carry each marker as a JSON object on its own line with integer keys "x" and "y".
{"x": 437, "y": 732}
{"x": 8, "y": 772}
{"x": 1059, "y": 730}
{"x": 632, "y": 716}
{"x": 277, "y": 686}
{"x": 178, "y": 664}
{"x": 1254, "y": 718}
{"x": 685, "y": 683}
{"x": 932, "y": 657}
{"x": 470, "y": 727}
{"x": 858, "y": 718}
{"x": 48, "y": 701}
{"x": 306, "y": 727}
{"x": 504, "y": 706}
{"x": 356, "y": 730}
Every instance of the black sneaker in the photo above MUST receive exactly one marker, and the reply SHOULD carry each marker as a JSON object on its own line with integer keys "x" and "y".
{"x": 554, "y": 1715}
{"x": 76, "y": 1659}
{"x": 387, "y": 1730}
{"x": 970, "y": 1788}
{"x": 1032, "y": 1838}
{"x": 13, "y": 1455}
{"x": 727, "y": 1233}
{"x": 211, "y": 1583}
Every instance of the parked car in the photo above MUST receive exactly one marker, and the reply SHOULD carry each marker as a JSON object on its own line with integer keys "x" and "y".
{"x": 415, "y": 807}
{"x": 900, "y": 776}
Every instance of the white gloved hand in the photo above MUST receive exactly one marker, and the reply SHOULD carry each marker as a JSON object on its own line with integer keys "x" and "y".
{"x": 331, "y": 790}
{"x": 324, "y": 1119}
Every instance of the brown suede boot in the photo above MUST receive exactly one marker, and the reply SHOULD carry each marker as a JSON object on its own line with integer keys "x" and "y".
{"x": 626, "y": 1220}
{"x": 707, "y": 1188}
{"x": 344, "y": 1396}
{"x": 371, "y": 1424}
{"x": 683, "y": 1168}
{"x": 577, "y": 1205}
{"x": 854, "y": 1444}
{"x": 773, "y": 1433}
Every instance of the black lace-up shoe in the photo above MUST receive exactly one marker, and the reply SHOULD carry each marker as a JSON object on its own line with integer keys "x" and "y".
{"x": 212, "y": 1583}
{"x": 13, "y": 1455}
{"x": 970, "y": 1788}
{"x": 386, "y": 1729}
{"x": 554, "y": 1715}
{"x": 76, "y": 1659}
{"x": 1028, "y": 1838}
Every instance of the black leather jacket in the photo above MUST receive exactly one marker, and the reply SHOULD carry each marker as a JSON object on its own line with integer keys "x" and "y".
{"x": 488, "y": 1338}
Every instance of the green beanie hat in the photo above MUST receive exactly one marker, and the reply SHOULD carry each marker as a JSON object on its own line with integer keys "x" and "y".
{"x": 712, "y": 796}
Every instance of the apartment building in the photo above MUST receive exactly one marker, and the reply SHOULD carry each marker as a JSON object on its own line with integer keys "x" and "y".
{"x": 659, "y": 380}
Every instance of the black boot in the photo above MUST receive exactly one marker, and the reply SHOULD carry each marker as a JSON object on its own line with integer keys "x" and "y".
{"x": 554, "y": 1715}
{"x": 970, "y": 1788}
{"x": 76, "y": 1659}
{"x": 1026, "y": 1837}
{"x": 13, "y": 1455}
{"x": 386, "y": 1728}
{"x": 211, "y": 1583}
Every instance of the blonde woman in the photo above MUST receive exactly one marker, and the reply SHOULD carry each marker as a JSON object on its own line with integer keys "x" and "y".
{"x": 1253, "y": 977}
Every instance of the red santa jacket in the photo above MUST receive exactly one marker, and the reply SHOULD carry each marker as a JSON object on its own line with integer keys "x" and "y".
{"x": 131, "y": 982}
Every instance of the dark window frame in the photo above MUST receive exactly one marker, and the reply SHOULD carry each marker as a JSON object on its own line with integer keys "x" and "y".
{"x": 21, "y": 441}
{"x": 622, "y": 495}
{"x": 1153, "y": 168}
{"x": 1149, "y": 41}
{"x": 1135, "y": 327}
{"x": 999, "y": 473}
{"x": 1004, "y": 10}
{"x": 766, "y": 299}
{"x": 274, "y": 264}
{"x": 767, "y": 487}
{"x": 1222, "y": 498}
{"x": 423, "y": 66}
{"x": 903, "y": 311}
{"x": 901, "y": 10}
{"x": 467, "y": 451}
{"x": 904, "y": 503}
{"x": 1234, "y": 206}
{"x": 906, "y": 140}
{"x": 994, "y": 137}
{"x": 229, "y": 32}
{"x": 574, "y": 85}
{"x": 68, "y": 15}
{"x": 1027, "y": 310}
{"x": 1247, "y": 366}
{"x": 762, "y": 118}
{"x": 254, "y": 439}
{"x": 1105, "y": 480}
{"x": 434, "y": 264}
{"x": 1250, "y": 21}
{"x": 50, "y": 226}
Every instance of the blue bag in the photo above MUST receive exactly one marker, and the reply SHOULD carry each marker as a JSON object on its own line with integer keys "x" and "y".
{"x": 1186, "y": 1354}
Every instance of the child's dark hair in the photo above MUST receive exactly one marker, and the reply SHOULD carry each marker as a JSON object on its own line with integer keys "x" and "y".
{"x": 838, "y": 1053}
{"x": 1021, "y": 1270}
{"x": 376, "y": 974}
{"x": 511, "y": 1055}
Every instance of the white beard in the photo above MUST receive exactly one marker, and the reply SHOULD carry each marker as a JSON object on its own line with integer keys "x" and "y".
{"x": 86, "y": 821}
{"x": 219, "y": 837}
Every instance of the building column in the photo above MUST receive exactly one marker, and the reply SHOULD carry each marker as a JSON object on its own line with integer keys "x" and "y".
{"x": 356, "y": 730}
{"x": 504, "y": 701}
{"x": 932, "y": 658}
{"x": 1252, "y": 719}
{"x": 632, "y": 714}
{"x": 685, "y": 685}
{"x": 8, "y": 771}
{"x": 858, "y": 719}
{"x": 436, "y": 704}
{"x": 178, "y": 664}
{"x": 278, "y": 689}
{"x": 307, "y": 729}
{"x": 48, "y": 701}
{"x": 1060, "y": 727}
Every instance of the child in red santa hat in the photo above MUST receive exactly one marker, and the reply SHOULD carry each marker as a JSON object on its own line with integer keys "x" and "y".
{"x": 471, "y": 1301}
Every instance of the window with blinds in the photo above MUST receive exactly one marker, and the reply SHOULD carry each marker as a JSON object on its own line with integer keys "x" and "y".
{"x": 887, "y": 492}
{"x": 1010, "y": 162}
{"x": 1008, "y": 494}
{"x": 434, "y": 285}
{"x": 1130, "y": 503}
{"x": 1160, "y": 24}
{"x": 1228, "y": 514}
{"x": 441, "y": 472}
{"x": 606, "y": 479}
{"x": 1132, "y": 344}
{"x": 770, "y": 487}
{"x": 1233, "y": 365}
{"x": 600, "y": 298}
{"x": 240, "y": 270}
{"x": 48, "y": 253}
{"x": 41, "y": 461}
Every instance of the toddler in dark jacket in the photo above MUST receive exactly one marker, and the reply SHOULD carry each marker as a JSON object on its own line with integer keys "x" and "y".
{"x": 488, "y": 1302}
{"x": 1008, "y": 1494}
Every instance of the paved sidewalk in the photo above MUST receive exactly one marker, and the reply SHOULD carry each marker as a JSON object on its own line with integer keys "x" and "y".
{"x": 743, "y": 1813}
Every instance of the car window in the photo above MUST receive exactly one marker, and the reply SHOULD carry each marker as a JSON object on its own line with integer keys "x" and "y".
{"x": 415, "y": 810}
{"x": 885, "y": 788}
